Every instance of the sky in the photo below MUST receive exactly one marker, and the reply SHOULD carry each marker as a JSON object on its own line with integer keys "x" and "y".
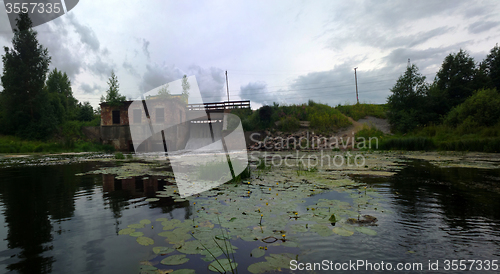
{"x": 286, "y": 52}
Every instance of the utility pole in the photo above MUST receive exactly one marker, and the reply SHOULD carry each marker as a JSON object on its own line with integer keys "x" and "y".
{"x": 356, "y": 80}
{"x": 227, "y": 85}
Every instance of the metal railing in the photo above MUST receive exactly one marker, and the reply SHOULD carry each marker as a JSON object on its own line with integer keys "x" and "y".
{"x": 220, "y": 105}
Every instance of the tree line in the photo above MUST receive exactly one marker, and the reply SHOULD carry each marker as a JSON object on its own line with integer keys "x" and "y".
{"x": 35, "y": 102}
{"x": 457, "y": 86}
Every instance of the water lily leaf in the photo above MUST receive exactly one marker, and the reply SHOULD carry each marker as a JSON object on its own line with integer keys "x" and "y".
{"x": 145, "y": 222}
{"x": 322, "y": 230}
{"x": 290, "y": 244}
{"x": 222, "y": 266}
{"x": 152, "y": 199}
{"x": 296, "y": 228}
{"x": 136, "y": 226}
{"x": 215, "y": 251}
{"x": 260, "y": 267}
{"x": 145, "y": 241}
{"x": 136, "y": 234}
{"x": 249, "y": 238}
{"x": 273, "y": 262}
{"x": 342, "y": 231}
{"x": 258, "y": 252}
{"x": 126, "y": 231}
{"x": 163, "y": 250}
{"x": 175, "y": 260}
{"x": 184, "y": 271}
{"x": 192, "y": 247}
{"x": 222, "y": 237}
{"x": 366, "y": 230}
{"x": 162, "y": 220}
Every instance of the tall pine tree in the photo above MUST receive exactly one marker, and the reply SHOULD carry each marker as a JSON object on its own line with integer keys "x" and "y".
{"x": 24, "y": 73}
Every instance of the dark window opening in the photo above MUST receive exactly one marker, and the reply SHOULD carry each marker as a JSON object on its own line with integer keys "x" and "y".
{"x": 137, "y": 116}
{"x": 160, "y": 115}
{"x": 116, "y": 117}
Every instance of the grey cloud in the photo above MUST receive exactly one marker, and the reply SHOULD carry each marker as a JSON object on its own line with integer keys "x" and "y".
{"x": 157, "y": 75}
{"x": 481, "y": 26}
{"x": 145, "y": 45}
{"x": 425, "y": 57}
{"x": 90, "y": 89}
{"x": 211, "y": 82}
{"x": 87, "y": 35}
{"x": 101, "y": 68}
{"x": 64, "y": 56}
{"x": 257, "y": 92}
{"x": 374, "y": 23}
{"x": 128, "y": 67}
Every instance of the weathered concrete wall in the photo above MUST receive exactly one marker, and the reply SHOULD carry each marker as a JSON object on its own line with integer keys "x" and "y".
{"x": 92, "y": 133}
{"x": 107, "y": 113}
{"x": 117, "y": 136}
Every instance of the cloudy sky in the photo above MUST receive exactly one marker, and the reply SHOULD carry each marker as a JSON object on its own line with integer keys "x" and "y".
{"x": 274, "y": 51}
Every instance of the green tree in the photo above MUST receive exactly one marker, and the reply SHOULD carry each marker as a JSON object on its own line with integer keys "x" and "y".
{"x": 185, "y": 88}
{"x": 113, "y": 96}
{"x": 406, "y": 104}
{"x": 164, "y": 92}
{"x": 492, "y": 66}
{"x": 61, "y": 97}
{"x": 24, "y": 73}
{"x": 85, "y": 112}
{"x": 456, "y": 78}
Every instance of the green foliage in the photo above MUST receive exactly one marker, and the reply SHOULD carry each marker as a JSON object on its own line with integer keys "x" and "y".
{"x": 325, "y": 118}
{"x": 24, "y": 102}
{"x": 119, "y": 156}
{"x": 408, "y": 143}
{"x": 113, "y": 96}
{"x": 456, "y": 78}
{"x": 492, "y": 66}
{"x": 405, "y": 103}
{"x": 369, "y": 131}
{"x": 185, "y": 89}
{"x": 481, "y": 109}
{"x": 61, "y": 97}
{"x": 359, "y": 111}
{"x": 289, "y": 124}
{"x": 11, "y": 144}
{"x": 85, "y": 112}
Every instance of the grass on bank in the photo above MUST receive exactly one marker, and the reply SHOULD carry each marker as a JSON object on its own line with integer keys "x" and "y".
{"x": 322, "y": 118}
{"x": 359, "y": 111}
{"x": 12, "y": 144}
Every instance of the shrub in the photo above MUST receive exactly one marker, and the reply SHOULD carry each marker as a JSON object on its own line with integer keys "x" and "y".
{"x": 119, "y": 156}
{"x": 289, "y": 124}
{"x": 481, "y": 109}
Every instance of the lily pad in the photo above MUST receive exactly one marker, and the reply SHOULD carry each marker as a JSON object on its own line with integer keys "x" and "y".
{"x": 366, "y": 230}
{"x": 145, "y": 222}
{"x": 145, "y": 241}
{"x": 273, "y": 262}
{"x": 222, "y": 266}
{"x": 184, "y": 271}
{"x": 152, "y": 199}
{"x": 136, "y": 234}
{"x": 191, "y": 247}
{"x": 163, "y": 250}
{"x": 258, "y": 252}
{"x": 126, "y": 231}
{"x": 175, "y": 260}
{"x": 342, "y": 231}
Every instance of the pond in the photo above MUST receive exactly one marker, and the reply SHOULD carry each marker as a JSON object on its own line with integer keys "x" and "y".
{"x": 95, "y": 215}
